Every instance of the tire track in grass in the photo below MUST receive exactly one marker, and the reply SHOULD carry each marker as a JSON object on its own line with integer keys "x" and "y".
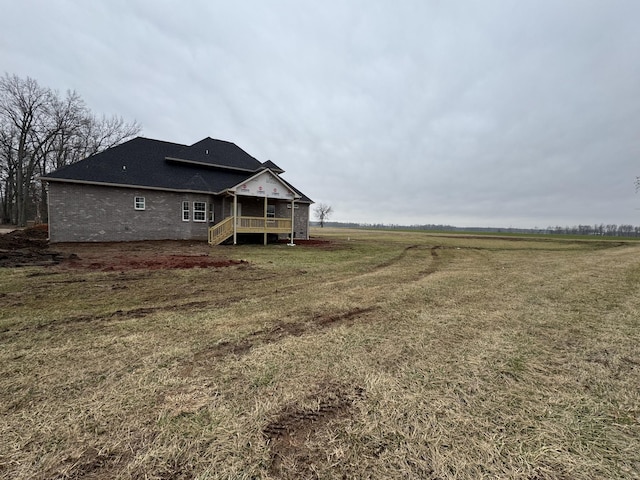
{"x": 319, "y": 321}
{"x": 120, "y": 315}
{"x": 294, "y": 427}
{"x": 407, "y": 255}
{"x": 277, "y": 332}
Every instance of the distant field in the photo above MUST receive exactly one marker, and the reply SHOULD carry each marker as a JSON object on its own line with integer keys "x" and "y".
{"x": 376, "y": 354}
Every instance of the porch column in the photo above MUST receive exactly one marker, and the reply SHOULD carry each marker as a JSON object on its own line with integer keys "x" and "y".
{"x": 235, "y": 219}
{"x": 292, "y": 216}
{"x": 265, "y": 219}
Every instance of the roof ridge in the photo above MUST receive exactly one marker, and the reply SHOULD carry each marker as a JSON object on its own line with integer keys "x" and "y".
{"x": 140, "y": 137}
{"x": 213, "y": 139}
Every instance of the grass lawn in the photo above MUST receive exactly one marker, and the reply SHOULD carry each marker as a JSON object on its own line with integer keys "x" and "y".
{"x": 379, "y": 354}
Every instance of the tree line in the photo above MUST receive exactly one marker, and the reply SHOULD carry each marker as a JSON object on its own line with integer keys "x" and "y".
{"x": 41, "y": 131}
{"x": 608, "y": 230}
{"x": 605, "y": 230}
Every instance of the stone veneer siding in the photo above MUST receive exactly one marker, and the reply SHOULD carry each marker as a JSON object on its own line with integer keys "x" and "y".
{"x": 91, "y": 213}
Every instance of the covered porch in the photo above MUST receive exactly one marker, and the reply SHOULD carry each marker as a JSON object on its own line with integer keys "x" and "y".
{"x": 266, "y": 199}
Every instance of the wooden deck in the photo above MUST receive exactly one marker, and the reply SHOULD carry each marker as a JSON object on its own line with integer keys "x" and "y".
{"x": 224, "y": 229}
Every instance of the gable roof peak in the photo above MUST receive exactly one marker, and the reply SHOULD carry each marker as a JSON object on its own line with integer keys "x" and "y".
{"x": 217, "y": 153}
{"x": 206, "y": 140}
{"x": 271, "y": 166}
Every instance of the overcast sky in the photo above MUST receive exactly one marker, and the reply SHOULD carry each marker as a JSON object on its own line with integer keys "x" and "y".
{"x": 469, "y": 113}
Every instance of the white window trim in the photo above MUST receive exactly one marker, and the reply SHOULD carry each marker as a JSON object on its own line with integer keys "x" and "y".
{"x": 204, "y": 212}
{"x": 136, "y": 203}
{"x": 186, "y": 210}
{"x": 271, "y": 211}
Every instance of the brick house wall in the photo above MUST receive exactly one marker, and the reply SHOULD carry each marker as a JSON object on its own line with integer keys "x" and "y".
{"x": 91, "y": 213}
{"x": 300, "y": 218}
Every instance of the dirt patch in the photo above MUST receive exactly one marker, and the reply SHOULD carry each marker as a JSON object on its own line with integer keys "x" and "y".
{"x": 27, "y": 247}
{"x": 293, "y": 431}
{"x": 149, "y": 255}
{"x": 30, "y": 247}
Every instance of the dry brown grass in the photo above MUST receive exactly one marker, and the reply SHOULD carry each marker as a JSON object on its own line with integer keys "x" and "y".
{"x": 385, "y": 355}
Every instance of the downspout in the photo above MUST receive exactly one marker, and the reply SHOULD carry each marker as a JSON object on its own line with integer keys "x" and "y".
{"x": 235, "y": 218}
{"x": 293, "y": 204}
{"x": 49, "y": 211}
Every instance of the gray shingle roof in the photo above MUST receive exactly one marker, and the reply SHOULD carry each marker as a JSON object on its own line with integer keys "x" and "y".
{"x": 272, "y": 166}
{"x": 218, "y": 153}
{"x": 206, "y": 166}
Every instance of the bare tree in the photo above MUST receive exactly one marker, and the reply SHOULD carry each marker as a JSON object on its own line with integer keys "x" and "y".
{"x": 41, "y": 131}
{"x": 322, "y": 211}
{"x": 23, "y": 107}
{"x": 7, "y": 173}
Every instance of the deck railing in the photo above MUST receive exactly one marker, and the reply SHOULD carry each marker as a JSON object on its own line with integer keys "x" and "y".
{"x": 224, "y": 229}
{"x": 263, "y": 225}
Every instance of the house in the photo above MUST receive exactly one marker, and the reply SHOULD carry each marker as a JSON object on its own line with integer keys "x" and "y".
{"x": 148, "y": 189}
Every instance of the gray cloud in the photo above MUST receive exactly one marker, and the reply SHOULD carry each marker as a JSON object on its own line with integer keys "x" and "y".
{"x": 475, "y": 113}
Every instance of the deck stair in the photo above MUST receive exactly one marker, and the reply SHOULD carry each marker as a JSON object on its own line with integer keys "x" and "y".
{"x": 221, "y": 231}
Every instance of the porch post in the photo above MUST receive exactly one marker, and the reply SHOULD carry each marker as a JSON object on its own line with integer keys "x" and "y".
{"x": 235, "y": 219}
{"x": 265, "y": 218}
{"x": 292, "y": 210}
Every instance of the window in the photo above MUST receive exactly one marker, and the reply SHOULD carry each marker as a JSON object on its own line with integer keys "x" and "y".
{"x": 199, "y": 212}
{"x": 211, "y": 212}
{"x": 138, "y": 203}
{"x": 185, "y": 211}
{"x": 271, "y": 211}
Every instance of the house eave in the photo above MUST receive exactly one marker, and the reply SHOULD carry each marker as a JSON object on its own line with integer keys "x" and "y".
{"x": 124, "y": 185}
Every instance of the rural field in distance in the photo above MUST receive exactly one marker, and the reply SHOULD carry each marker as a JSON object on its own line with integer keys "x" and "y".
{"x": 370, "y": 354}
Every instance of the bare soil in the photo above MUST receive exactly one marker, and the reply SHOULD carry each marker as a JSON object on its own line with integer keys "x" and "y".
{"x": 30, "y": 247}
{"x": 27, "y": 247}
{"x": 156, "y": 255}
